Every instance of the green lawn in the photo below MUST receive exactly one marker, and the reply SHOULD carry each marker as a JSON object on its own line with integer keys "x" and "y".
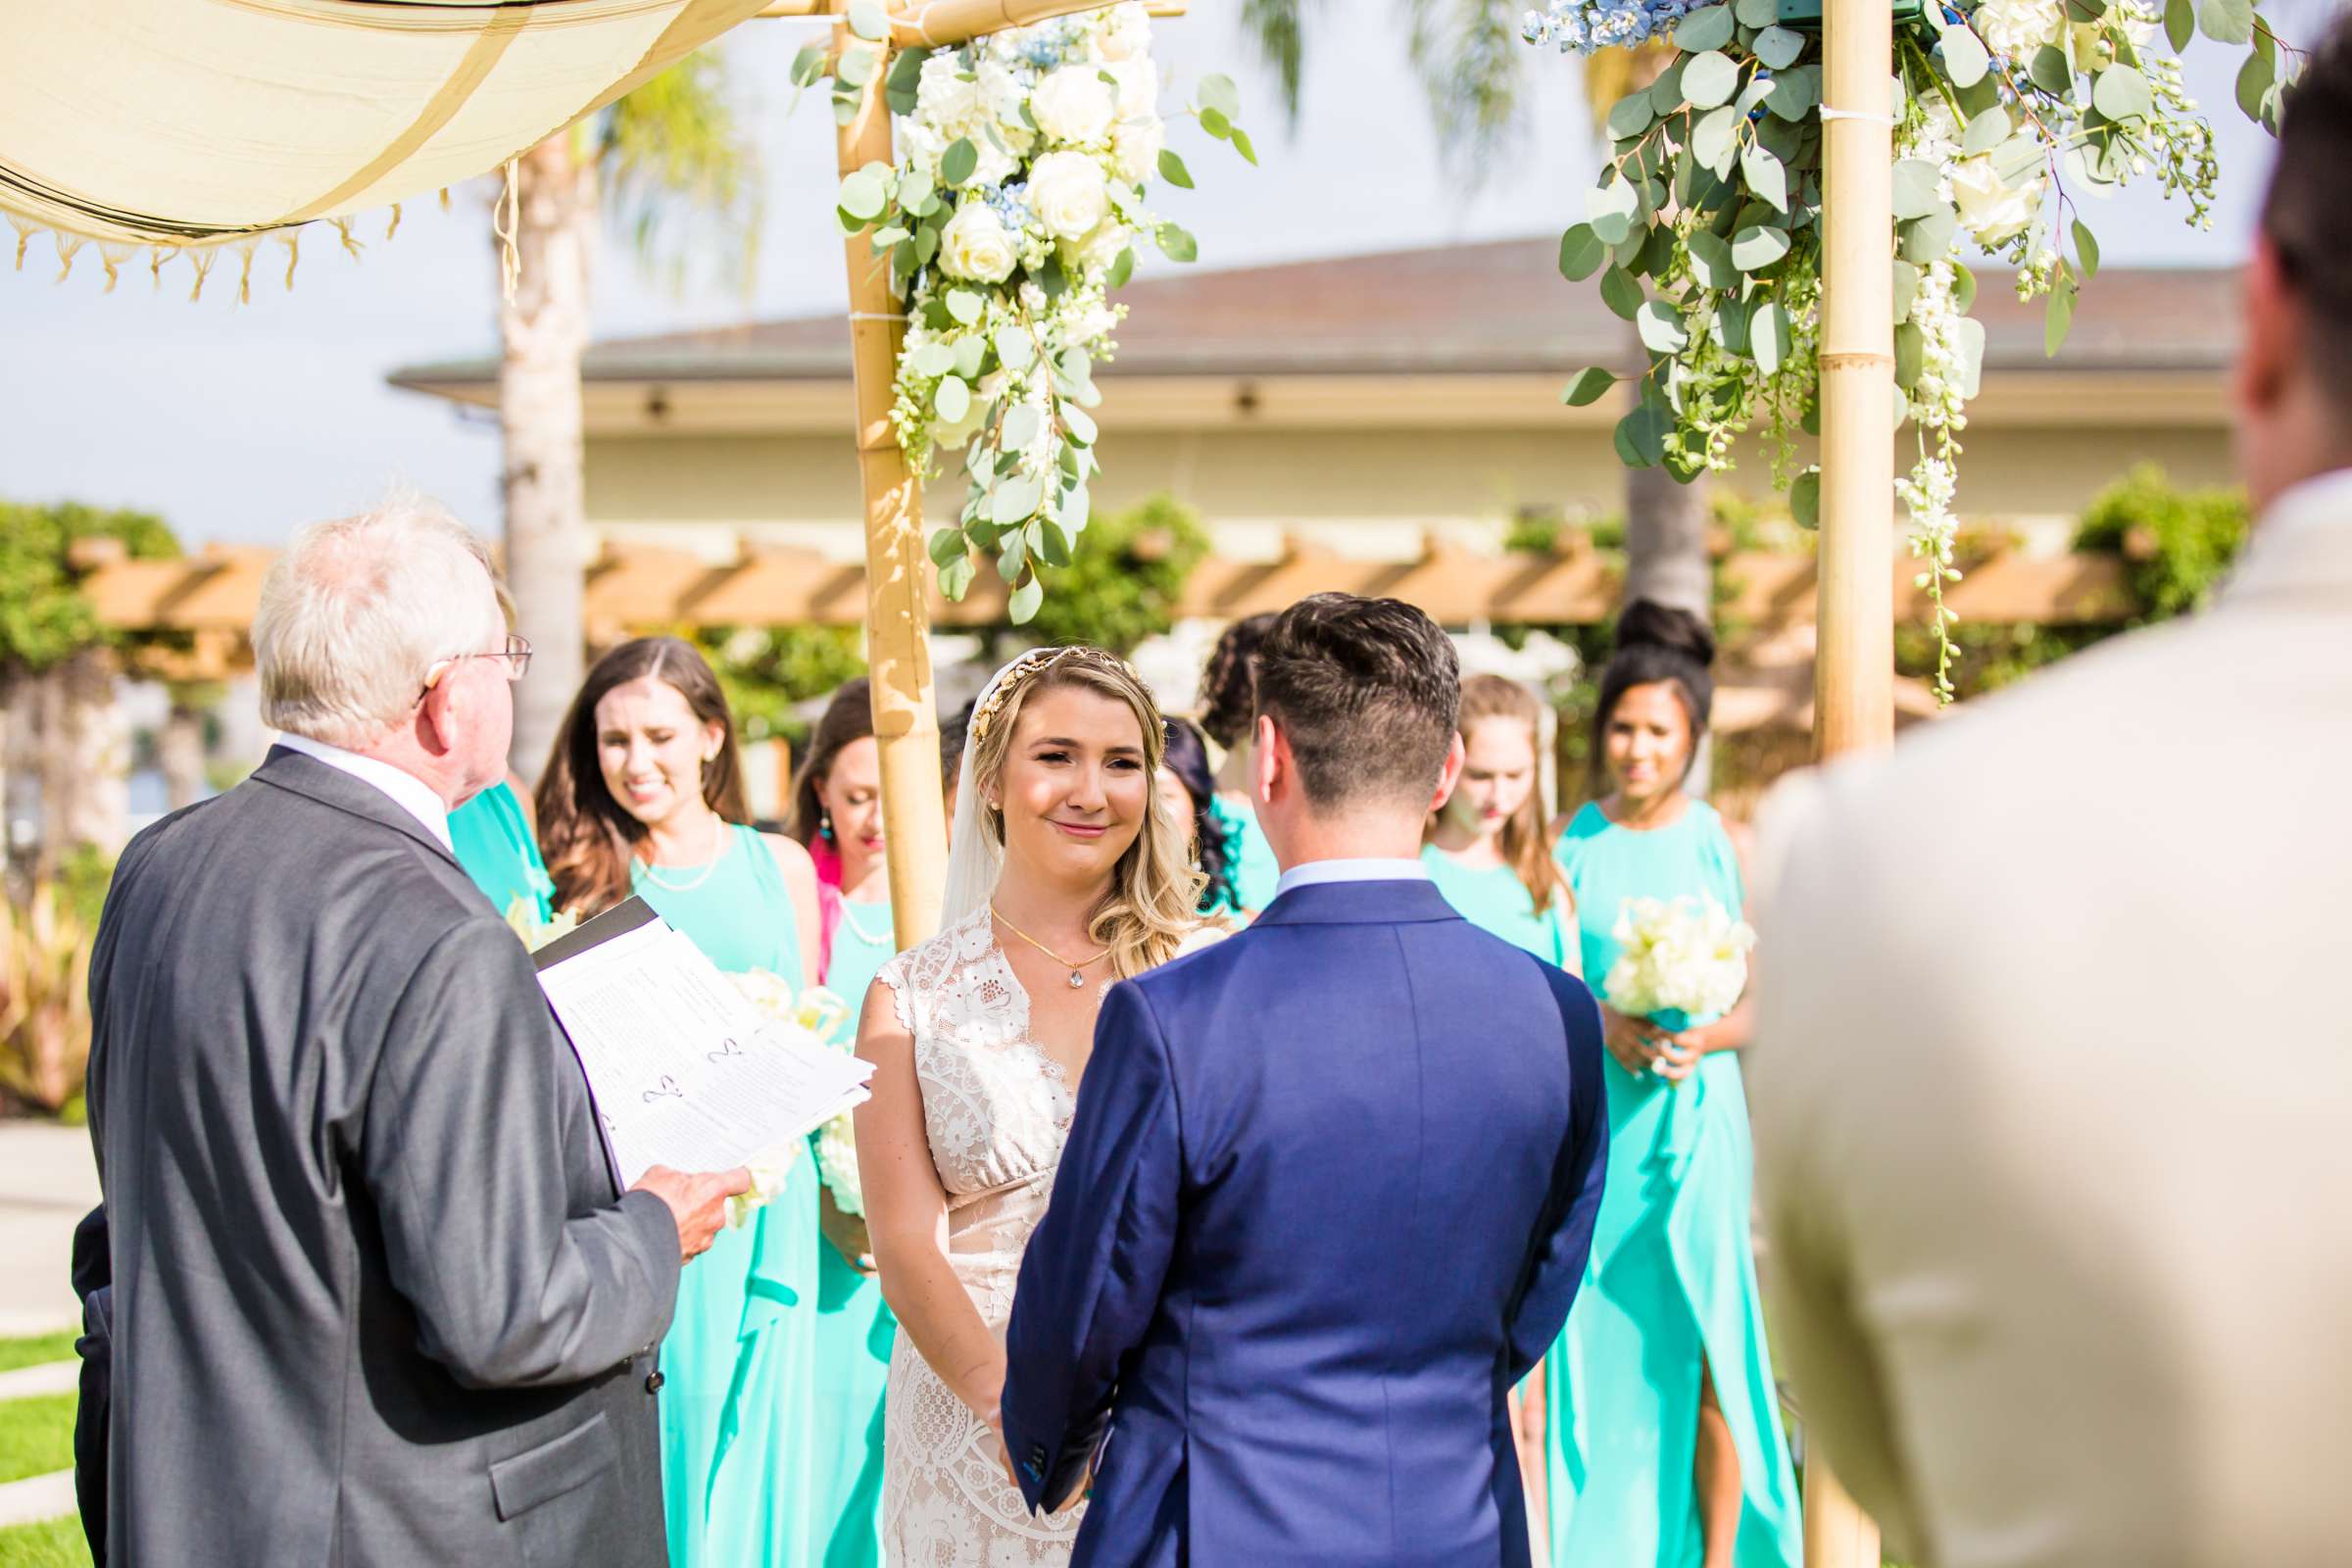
{"x": 40, "y": 1347}
{"x": 36, "y": 1435}
{"x": 57, "y": 1544}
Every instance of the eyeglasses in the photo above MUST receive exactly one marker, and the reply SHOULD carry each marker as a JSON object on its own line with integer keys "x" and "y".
{"x": 517, "y": 653}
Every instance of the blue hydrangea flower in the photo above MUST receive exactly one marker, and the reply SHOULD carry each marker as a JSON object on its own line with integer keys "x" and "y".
{"x": 1580, "y": 26}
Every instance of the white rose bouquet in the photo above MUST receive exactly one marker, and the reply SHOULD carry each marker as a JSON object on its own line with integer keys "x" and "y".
{"x": 816, "y": 1012}
{"x": 1013, "y": 214}
{"x": 1679, "y": 960}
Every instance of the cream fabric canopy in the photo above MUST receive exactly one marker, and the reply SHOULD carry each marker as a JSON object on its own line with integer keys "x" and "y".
{"x": 179, "y": 124}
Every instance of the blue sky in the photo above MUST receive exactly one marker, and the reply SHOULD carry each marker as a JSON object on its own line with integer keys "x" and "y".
{"x": 239, "y": 422}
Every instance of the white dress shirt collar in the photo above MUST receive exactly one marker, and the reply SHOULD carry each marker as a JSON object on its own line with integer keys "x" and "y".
{"x": 2302, "y": 544}
{"x": 407, "y": 792}
{"x": 1310, "y": 873}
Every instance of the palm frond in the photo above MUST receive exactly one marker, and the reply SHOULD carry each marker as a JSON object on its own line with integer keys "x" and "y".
{"x": 1278, "y": 28}
{"x": 1468, "y": 54}
{"x": 1611, "y": 73}
{"x": 677, "y": 162}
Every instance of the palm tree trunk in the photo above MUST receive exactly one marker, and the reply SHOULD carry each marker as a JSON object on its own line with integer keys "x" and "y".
{"x": 86, "y": 785}
{"x": 179, "y": 754}
{"x": 1666, "y": 561}
{"x": 543, "y": 335}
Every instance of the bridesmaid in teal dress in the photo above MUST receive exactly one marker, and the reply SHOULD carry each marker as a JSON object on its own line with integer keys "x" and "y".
{"x": 1485, "y": 846}
{"x": 837, "y": 813}
{"x": 644, "y": 794}
{"x": 1229, "y": 717}
{"x": 1187, "y": 790}
{"x": 1662, "y": 1433}
{"x": 494, "y": 847}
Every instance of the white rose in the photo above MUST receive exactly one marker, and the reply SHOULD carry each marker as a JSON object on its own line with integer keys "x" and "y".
{"x": 2017, "y": 27}
{"x": 1073, "y": 105}
{"x": 976, "y": 245}
{"x": 1991, "y": 210}
{"x": 1126, "y": 32}
{"x": 942, "y": 96}
{"x": 1136, "y": 89}
{"x": 1068, "y": 193}
{"x": 1095, "y": 252}
{"x": 1135, "y": 148}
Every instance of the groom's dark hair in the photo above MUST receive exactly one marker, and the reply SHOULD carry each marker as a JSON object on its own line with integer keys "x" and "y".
{"x": 2304, "y": 214}
{"x": 1366, "y": 692}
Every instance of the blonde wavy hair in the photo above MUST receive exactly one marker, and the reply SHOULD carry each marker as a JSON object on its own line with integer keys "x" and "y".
{"x": 1154, "y": 896}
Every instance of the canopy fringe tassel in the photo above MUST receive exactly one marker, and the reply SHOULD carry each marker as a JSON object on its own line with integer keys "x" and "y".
{"x": 202, "y": 260}
{"x": 291, "y": 239}
{"x": 112, "y": 257}
{"x": 505, "y": 221}
{"x": 69, "y": 246}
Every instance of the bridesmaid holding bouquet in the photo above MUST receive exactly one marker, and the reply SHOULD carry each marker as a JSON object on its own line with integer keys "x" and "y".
{"x": 644, "y": 794}
{"x": 1664, "y": 1444}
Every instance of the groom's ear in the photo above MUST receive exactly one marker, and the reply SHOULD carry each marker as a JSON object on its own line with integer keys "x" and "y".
{"x": 1269, "y": 757}
{"x": 1451, "y": 773}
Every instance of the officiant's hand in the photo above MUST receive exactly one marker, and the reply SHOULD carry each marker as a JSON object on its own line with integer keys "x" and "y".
{"x": 697, "y": 1201}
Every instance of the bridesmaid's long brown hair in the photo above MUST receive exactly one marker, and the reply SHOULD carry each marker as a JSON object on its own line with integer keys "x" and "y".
{"x": 587, "y": 837}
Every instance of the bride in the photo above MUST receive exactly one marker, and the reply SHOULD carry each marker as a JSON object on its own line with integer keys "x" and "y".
{"x": 1065, "y": 874}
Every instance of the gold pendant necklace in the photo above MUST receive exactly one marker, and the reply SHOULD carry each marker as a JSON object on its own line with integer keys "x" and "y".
{"x": 1077, "y": 970}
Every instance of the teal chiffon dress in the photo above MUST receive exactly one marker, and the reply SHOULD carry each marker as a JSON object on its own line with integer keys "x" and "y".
{"x": 1256, "y": 872}
{"x": 495, "y": 848}
{"x": 853, "y": 1325}
{"x": 1672, "y": 1282}
{"x": 1495, "y": 900}
{"x": 739, "y": 1449}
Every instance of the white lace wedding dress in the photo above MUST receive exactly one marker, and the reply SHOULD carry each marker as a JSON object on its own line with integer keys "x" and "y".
{"x": 998, "y": 1109}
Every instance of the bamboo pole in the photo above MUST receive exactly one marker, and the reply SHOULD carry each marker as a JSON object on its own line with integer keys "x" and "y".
{"x": 949, "y": 21}
{"x": 898, "y": 646}
{"x": 1853, "y": 667}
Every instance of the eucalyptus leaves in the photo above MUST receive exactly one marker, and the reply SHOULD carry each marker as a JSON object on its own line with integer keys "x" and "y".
{"x": 1011, "y": 214}
{"x": 1705, "y": 228}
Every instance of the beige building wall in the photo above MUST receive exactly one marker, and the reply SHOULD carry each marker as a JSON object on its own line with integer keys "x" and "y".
{"x": 1370, "y": 493}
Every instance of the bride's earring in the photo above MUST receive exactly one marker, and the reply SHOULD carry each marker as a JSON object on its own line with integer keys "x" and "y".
{"x": 824, "y": 826}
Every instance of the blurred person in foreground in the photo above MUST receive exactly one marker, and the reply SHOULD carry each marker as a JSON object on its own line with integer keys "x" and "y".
{"x": 2050, "y": 1091}
{"x": 376, "y": 1298}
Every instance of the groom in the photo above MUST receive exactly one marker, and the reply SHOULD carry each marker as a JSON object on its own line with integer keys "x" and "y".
{"x": 1332, "y": 1182}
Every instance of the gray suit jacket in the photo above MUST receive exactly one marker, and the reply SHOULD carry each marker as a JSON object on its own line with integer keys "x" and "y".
{"x": 375, "y": 1302}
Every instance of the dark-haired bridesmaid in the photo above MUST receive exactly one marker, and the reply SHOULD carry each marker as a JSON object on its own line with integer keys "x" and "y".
{"x": 1663, "y": 1440}
{"x": 644, "y": 794}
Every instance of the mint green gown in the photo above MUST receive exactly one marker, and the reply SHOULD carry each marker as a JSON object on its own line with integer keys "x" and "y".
{"x": 1672, "y": 1279}
{"x": 1255, "y": 871}
{"x": 739, "y": 1363}
{"x": 853, "y": 1325}
{"x": 1497, "y": 901}
{"x": 495, "y": 848}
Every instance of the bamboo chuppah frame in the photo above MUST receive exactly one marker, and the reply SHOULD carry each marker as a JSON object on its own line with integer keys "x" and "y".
{"x": 1853, "y": 669}
{"x": 897, "y": 641}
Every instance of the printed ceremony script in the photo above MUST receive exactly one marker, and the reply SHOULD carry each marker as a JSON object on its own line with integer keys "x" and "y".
{"x": 684, "y": 1070}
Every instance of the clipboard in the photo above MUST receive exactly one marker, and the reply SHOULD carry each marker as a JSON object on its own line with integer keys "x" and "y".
{"x": 619, "y": 920}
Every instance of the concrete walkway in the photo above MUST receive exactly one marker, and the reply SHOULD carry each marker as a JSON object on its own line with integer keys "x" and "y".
{"x": 47, "y": 1182}
{"x": 29, "y": 1502}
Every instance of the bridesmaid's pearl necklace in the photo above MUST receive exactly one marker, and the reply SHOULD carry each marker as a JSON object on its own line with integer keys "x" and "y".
{"x": 652, "y": 873}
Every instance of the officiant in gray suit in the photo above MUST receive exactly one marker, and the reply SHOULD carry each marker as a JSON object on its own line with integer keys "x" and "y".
{"x": 378, "y": 1300}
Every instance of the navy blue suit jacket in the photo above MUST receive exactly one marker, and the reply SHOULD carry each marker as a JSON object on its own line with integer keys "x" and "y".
{"x": 1328, "y": 1197}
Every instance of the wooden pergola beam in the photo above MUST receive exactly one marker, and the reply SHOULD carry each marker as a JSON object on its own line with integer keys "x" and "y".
{"x": 631, "y": 587}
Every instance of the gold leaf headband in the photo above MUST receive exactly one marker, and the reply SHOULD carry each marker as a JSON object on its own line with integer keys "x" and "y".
{"x": 1028, "y": 667}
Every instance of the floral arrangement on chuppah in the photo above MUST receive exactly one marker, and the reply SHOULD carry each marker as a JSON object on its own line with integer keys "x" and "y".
{"x": 1013, "y": 214}
{"x": 1705, "y": 225}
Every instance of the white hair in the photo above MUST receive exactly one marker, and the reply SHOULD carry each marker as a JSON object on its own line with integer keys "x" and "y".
{"x": 359, "y": 610}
